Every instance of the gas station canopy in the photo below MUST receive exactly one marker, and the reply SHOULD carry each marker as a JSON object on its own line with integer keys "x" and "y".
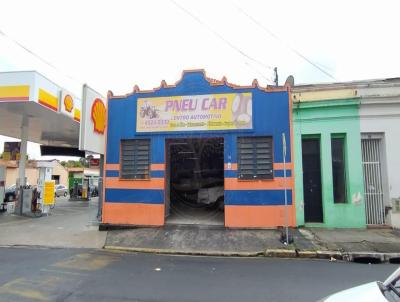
{"x": 50, "y": 114}
{"x": 33, "y": 108}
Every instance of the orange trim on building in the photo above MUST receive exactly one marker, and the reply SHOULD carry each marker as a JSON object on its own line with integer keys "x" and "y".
{"x": 149, "y": 184}
{"x": 112, "y": 167}
{"x": 292, "y": 155}
{"x": 234, "y": 167}
{"x": 153, "y": 167}
{"x": 258, "y": 216}
{"x": 103, "y": 205}
{"x": 133, "y": 213}
{"x": 157, "y": 167}
{"x": 273, "y": 184}
{"x": 279, "y": 166}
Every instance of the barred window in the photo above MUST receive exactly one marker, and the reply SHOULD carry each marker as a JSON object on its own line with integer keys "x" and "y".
{"x": 255, "y": 157}
{"x": 135, "y": 158}
{"x": 338, "y": 168}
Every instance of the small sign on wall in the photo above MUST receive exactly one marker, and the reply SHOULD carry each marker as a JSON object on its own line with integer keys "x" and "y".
{"x": 49, "y": 187}
{"x": 94, "y": 162}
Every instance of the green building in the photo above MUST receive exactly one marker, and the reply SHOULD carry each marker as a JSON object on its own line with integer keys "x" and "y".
{"x": 328, "y": 165}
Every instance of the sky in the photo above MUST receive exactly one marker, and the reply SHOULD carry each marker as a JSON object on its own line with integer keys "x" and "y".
{"x": 113, "y": 45}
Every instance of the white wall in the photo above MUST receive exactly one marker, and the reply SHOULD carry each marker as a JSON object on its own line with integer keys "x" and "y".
{"x": 380, "y": 113}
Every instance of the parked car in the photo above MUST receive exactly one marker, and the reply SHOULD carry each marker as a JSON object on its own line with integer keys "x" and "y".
{"x": 10, "y": 194}
{"x": 388, "y": 291}
{"x": 212, "y": 195}
{"x": 61, "y": 190}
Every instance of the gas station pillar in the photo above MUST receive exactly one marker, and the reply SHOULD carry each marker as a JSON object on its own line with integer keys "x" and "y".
{"x": 23, "y": 151}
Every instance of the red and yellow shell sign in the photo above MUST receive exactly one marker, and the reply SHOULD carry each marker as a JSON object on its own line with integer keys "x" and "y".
{"x": 98, "y": 116}
{"x": 68, "y": 103}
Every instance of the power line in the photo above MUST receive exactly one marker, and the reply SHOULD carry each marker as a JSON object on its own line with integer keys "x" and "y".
{"x": 259, "y": 72}
{"x": 284, "y": 43}
{"x": 231, "y": 45}
{"x": 38, "y": 57}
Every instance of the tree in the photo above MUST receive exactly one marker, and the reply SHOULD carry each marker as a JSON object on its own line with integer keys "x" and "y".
{"x": 84, "y": 162}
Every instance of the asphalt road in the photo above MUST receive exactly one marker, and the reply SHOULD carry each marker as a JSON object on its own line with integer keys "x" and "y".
{"x": 29, "y": 274}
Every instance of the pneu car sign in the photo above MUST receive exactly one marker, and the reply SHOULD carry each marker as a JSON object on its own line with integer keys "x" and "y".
{"x": 228, "y": 111}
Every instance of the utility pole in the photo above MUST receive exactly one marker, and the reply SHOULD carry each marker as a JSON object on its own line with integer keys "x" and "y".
{"x": 286, "y": 238}
{"x": 276, "y": 76}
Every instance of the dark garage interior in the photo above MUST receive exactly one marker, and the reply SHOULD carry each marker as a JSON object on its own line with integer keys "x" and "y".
{"x": 195, "y": 182}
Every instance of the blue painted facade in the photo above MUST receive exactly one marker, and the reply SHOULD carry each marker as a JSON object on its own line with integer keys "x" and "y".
{"x": 271, "y": 117}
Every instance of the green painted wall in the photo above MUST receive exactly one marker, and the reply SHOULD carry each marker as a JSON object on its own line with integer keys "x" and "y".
{"x": 322, "y": 119}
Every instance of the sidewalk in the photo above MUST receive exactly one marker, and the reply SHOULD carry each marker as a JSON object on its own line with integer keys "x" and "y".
{"x": 381, "y": 244}
{"x": 71, "y": 224}
{"x": 74, "y": 225}
{"x": 347, "y": 244}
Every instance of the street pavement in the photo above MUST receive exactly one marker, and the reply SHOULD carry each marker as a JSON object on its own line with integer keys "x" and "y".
{"x": 69, "y": 224}
{"x": 73, "y": 224}
{"x": 42, "y": 274}
{"x": 60, "y": 258}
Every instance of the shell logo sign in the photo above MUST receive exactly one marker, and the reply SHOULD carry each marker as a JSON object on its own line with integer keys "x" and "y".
{"x": 68, "y": 103}
{"x": 98, "y": 116}
{"x": 93, "y": 121}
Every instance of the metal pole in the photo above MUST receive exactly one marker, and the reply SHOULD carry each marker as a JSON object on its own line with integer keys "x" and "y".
{"x": 100, "y": 188}
{"x": 22, "y": 160}
{"x": 284, "y": 183}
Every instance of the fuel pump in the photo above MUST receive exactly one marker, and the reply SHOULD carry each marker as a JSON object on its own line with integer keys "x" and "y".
{"x": 27, "y": 192}
{"x": 85, "y": 189}
{"x": 45, "y": 187}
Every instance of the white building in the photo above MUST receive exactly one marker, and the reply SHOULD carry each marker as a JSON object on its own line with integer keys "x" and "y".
{"x": 380, "y": 129}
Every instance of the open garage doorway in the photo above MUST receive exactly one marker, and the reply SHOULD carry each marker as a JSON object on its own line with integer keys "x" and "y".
{"x": 195, "y": 181}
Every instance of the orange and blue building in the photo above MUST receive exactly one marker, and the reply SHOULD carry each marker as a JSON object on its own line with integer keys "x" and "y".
{"x": 248, "y": 203}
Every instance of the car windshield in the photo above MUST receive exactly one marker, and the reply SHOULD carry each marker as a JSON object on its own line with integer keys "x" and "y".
{"x": 393, "y": 278}
{"x": 391, "y": 287}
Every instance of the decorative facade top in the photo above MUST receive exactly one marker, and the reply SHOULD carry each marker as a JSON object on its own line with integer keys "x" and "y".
{"x": 210, "y": 81}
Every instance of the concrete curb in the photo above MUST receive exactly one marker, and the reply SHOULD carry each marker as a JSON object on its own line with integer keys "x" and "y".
{"x": 271, "y": 253}
{"x": 372, "y": 257}
{"x": 186, "y": 252}
{"x": 365, "y": 257}
{"x": 329, "y": 255}
{"x": 47, "y": 247}
{"x": 280, "y": 253}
